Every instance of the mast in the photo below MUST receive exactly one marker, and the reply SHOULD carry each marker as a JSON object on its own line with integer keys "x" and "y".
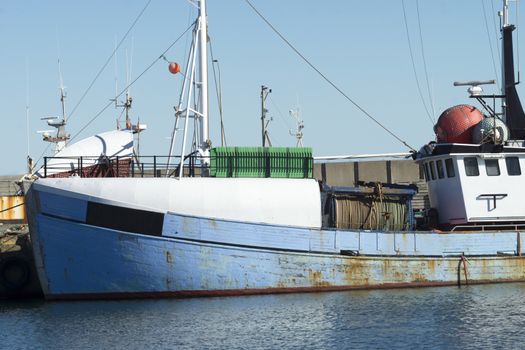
{"x": 193, "y": 100}
{"x": 61, "y": 134}
{"x": 203, "y": 77}
{"x": 265, "y": 91}
{"x": 512, "y": 109}
{"x": 504, "y": 14}
{"x": 59, "y": 123}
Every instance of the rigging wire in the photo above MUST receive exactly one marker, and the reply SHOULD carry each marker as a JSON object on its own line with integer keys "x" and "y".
{"x": 134, "y": 80}
{"x": 108, "y": 60}
{"x": 490, "y": 41}
{"x": 218, "y": 91}
{"x": 424, "y": 60}
{"x": 279, "y": 112}
{"x": 494, "y": 13}
{"x": 125, "y": 88}
{"x": 414, "y": 65}
{"x": 326, "y": 78}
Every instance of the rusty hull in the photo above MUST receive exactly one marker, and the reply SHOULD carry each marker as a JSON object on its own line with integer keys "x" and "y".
{"x": 12, "y": 209}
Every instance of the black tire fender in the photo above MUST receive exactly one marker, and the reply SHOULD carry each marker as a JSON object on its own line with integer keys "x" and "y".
{"x": 14, "y": 273}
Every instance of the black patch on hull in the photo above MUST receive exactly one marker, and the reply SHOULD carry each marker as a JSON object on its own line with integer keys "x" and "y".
{"x": 125, "y": 219}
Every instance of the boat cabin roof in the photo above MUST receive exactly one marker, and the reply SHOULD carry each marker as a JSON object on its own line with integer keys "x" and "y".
{"x": 439, "y": 149}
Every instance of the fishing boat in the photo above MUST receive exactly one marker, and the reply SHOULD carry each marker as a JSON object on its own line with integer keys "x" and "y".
{"x": 232, "y": 221}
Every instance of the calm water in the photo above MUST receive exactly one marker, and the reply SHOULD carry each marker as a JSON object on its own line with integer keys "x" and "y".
{"x": 491, "y": 316}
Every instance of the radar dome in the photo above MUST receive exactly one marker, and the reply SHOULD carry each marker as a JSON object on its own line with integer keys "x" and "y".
{"x": 456, "y": 123}
{"x": 484, "y": 131}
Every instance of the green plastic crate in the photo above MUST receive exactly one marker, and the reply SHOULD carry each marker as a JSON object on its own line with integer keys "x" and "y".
{"x": 277, "y": 162}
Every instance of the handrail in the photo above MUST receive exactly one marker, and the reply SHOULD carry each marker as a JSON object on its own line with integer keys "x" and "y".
{"x": 514, "y": 227}
{"x": 150, "y": 166}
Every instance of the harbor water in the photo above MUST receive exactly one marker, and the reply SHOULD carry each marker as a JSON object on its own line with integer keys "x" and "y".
{"x": 471, "y": 317}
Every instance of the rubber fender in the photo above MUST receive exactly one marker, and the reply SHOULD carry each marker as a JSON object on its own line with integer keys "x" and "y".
{"x": 14, "y": 273}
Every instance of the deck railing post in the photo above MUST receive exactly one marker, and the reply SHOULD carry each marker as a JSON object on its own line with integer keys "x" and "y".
{"x": 154, "y": 166}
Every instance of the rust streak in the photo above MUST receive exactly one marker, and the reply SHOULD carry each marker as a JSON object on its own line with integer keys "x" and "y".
{"x": 239, "y": 292}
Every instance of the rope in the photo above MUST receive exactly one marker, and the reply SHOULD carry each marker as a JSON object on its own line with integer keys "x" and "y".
{"x": 218, "y": 92}
{"x": 414, "y": 65}
{"x": 463, "y": 260}
{"x": 424, "y": 59}
{"x": 13, "y": 207}
{"x": 108, "y": 60}
{"x": 133, "y": 82}
{"x": 326, "y": 78}
{"x": 496, "y": 31}
{"x": 95, "y": 79}
{"x": 368, "y": 212}
{"x": 490, "y": 41}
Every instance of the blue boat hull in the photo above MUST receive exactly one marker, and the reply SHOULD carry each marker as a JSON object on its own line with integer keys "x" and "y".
{"x": 194, "y": 256}
{"x": 80, "y": 261}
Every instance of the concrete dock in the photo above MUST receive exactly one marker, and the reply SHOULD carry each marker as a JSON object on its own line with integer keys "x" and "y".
{"x": 18, "y": 277}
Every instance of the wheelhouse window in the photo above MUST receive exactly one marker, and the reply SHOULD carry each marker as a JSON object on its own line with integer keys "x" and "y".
{"x": 432, "y": 170}
{"x": 492, "y": 167}
{"x": 471, "y": 166}
{"x": 440, "y": 171}
{"x": 449, "y": 165}
{"x": 427, "y": 174}
{"x": 513, "y": 166}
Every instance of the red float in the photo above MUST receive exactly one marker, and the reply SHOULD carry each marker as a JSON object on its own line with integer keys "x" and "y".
{"x": 455, "y": 124}
{"x": 174, "y": 68}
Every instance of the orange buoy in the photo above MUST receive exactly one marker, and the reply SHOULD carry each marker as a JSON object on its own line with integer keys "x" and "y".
{"x": 174, "y": 67}
{"x": 455, "y": 124}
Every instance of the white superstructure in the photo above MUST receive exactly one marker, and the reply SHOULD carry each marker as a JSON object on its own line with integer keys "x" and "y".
{"x": 468, "y": 188}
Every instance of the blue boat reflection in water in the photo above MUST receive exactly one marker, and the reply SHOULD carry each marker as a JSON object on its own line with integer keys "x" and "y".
{"x": 486, "y": 316}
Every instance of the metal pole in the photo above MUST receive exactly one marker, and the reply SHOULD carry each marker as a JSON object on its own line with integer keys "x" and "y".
{"x": 264, "y": 94}
{"x": 203, "y": 71}
{"x": 187, "y": 115}
{"x": 504, "y": 23}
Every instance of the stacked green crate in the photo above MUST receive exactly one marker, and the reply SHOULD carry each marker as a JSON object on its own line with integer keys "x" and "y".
{"x": 277, "y": 162}
{"x": 301, "y": 162}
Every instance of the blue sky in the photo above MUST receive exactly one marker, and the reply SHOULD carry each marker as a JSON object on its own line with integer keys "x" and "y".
{"x": 360, "y": 45}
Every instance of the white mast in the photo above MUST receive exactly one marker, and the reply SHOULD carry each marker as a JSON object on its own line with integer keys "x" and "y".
{"x": 203, "y": 76}
{"x": 195, "y": 84}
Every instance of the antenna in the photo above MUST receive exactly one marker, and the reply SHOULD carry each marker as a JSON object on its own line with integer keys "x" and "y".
{"x": 474, "y": 89}
{"x": 298, "y": 134}
{"x": 29, "y": 160}
{"x": 116, "y": 79}
{"x": 218, "y": 86}
{"x": 265, "y": 91}
{"x": 62, "y": 93}
{"x": 58, "y": 122}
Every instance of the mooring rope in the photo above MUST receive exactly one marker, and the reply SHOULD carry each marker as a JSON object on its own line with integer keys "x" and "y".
{"x": 11, "y": 208}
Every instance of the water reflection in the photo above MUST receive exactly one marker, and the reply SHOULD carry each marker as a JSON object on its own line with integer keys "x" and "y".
{"x": 487, "y": 316}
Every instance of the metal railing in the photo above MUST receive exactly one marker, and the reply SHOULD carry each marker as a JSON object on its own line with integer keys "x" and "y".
{"x": 169, "y": 166}
{"x": 490, "y": 227}
{"x": 97, "y": 166}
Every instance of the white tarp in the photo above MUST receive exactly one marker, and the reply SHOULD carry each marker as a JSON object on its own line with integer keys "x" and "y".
{"x": 109, "y": 144}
